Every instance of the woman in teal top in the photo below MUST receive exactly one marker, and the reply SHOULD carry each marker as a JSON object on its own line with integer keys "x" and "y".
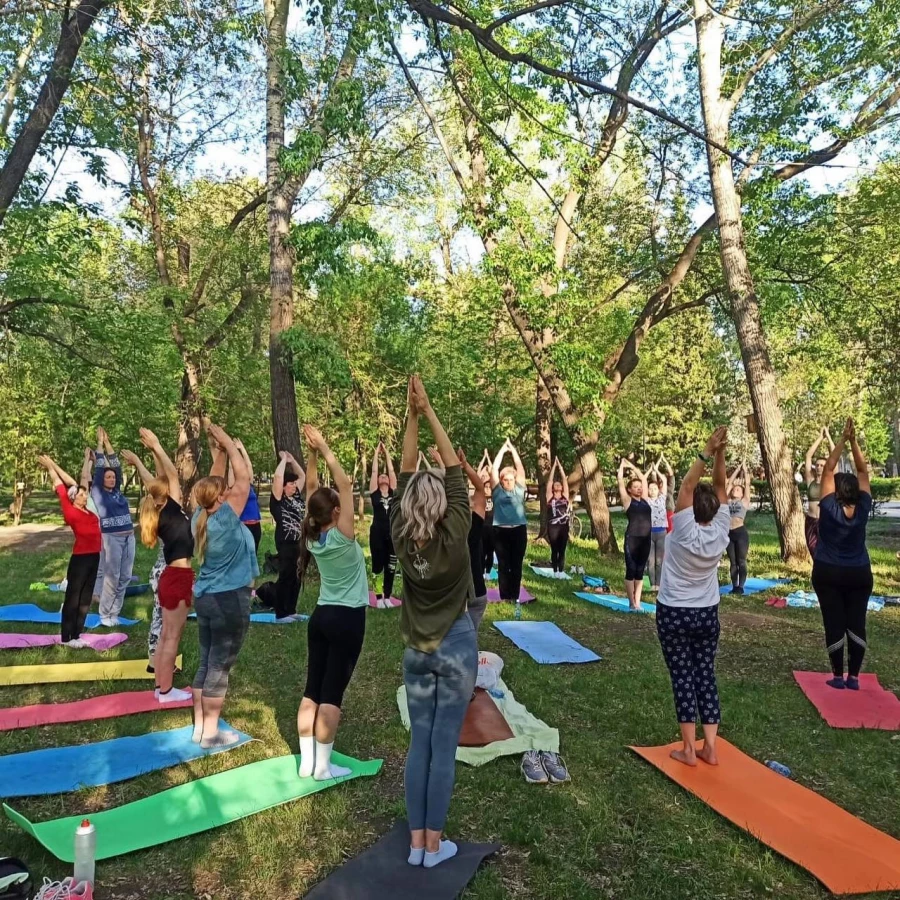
{"x": 510, "y": 530}
{"x": 338, "y": 625}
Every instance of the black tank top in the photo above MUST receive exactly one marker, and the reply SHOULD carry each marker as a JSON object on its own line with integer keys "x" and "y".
{"x": 476, "y": 554}
{"x": 381, "y": 510}
{"x": 639, "y": 518}
{"x": 175, "y": 532}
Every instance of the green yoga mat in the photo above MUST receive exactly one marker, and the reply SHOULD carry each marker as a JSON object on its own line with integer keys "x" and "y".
{"x": 189, "y": 808}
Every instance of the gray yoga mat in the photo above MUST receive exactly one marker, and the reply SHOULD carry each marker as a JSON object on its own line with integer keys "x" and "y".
{"x": 382, "y": 872}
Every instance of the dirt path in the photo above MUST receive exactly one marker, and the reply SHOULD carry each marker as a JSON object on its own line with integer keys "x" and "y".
{"x": 34, "y": 538}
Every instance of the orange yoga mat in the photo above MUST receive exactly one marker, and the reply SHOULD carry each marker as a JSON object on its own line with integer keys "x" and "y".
{"x": 484, "y": 723}
{"x": 844, "y": 853}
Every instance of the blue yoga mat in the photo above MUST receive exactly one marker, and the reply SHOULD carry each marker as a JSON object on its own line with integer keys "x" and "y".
{"x": 544, "y": 572}
{"x": 264, "y": 618}
{"x": 619, "y": 604}
{"x": 756, "y": 585}
{"x": 59, "y": 770}
{"x": 546, "y": 642}
{"x": 593, "y": 581}
{"x": 29, "y": 612}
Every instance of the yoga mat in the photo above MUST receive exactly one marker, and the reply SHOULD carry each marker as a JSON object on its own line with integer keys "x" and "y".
{"x": 546, "y": 642}
{"x": 384, "y": 603}
{"x": 381, "y": 872}
{"x": 869, "y": 707}
{"x": 97, "y": 642}
{"x": 529, "y": 732}
{"x": 484, "y": 723}
{"x": 619, "y": 604}
{"x": 119, "y": 669}
{"x": 266, "y": 618}
{"x": 844, "y": 853}
{"x": 593, "y": 581}
{"x": 492, "y": 575}
{"x": 546, "y": 572}
{"x": 29, "y": 612}
{"x": 809, "y": 600}
{"x": 756, "y": 585}
{"x": 493, "y": 596}
{"x": 189, "y": 808}
{"x": 58, "y": 770}
{"x": 107, "y": 706}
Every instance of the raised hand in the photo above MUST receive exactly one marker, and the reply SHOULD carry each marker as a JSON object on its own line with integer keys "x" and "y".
{"x": 314, "y": 440}
{"x": 217, "y": 433}
{"x": 423, "y": 404}
{"x": 717, "y": 441}
{"x": 849, "y": 434}
{"x": 47, "y": 462}
{"x": 148, "y": 439}
{"x": 411, "y": 400}
{"x": 131, "y": 458}
{"x": 433, "y": 453}
{"x": 461, "y": 455}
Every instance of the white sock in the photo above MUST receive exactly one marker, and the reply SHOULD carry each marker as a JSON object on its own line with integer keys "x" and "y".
{"x": 307, "y": 755}
{"x": 173, "y": 695}
{"x": 448, "y": 851}
{"x": 324, "y": 769}
{"x": 220, "y": 739}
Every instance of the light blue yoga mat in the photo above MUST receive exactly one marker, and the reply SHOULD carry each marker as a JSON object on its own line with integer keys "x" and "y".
{"x": 492, "y": 575}
{"x": 546, "y": 642}
{"x": 265, "y": 618}
{"x": 809, "y": 600}
{"x": 59, "y": 770}
{"x": 619, "y": 604}
{"x": 756, "y": 585}
{"x": 29, "y": 612}
{"x": 593, "y": 581}
{"x": 544, "y": 572}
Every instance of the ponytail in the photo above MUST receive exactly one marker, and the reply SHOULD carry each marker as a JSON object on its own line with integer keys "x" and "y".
{"x": 206, "y": 494}
{"x": 319, "y": 514}
{"x": 152, "y": 502}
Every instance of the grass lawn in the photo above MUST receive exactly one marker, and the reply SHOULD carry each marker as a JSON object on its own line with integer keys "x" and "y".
{"x": 620, "y": 829}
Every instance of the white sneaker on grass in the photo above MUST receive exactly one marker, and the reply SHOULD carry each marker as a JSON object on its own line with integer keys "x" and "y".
{"x": 109, "y": 621}
{"x": 176, "y": 695}
{"x": 75, "y": 644}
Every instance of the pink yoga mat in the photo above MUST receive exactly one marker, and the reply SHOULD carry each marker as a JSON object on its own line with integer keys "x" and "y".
{"x": 94, "y": 641}
{"x": 869, "y": 707}
{"x": 109, "y": 706}
{"x": 392, "y": 601}
{"x": 493, "y": 595}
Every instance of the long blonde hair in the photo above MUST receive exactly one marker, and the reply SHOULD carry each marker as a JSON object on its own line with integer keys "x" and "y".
{"x": 423, "y": 505}
{"x": 153, "y": 501}
{"x": 206, "y": 494}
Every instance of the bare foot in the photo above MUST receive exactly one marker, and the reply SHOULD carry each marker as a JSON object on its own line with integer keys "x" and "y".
{"x": 683, "y": 756}
{"x": 708, "y": 755}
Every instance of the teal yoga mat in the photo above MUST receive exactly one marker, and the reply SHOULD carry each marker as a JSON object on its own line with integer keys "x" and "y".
{"x": 756, "y": 585}
{"x": 611, "y": 601}
{"x": 189, "y": 808}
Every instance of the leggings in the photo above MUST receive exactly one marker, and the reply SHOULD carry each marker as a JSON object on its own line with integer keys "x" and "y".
{"x": 738, "y": 547}
{"x": 383, "y": 558}
{"x": 439, "y": 686}
{"x": 558, "y": 537}
{"x": 843, "y": 593}
{"x": 334, "y": 637}
{"x": 487, "y": 542}
{"x": 657, "y": 555}
{"x": 637, "y": 552}
{"x": 287, "y": 588}
{"x": 689, "y": 637}
{"x": 223, "y": 619}
{"x": 811, "y": 530}
{"x": 510, "y": 544}
{"x": 255, "y": 528}
{"x": 80, "y": 578}
{"x": 156, "y": 619}
{"x": 117, "y": 563}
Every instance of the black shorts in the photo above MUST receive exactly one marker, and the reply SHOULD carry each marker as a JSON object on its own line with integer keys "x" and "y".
{"x": 334, "y": 637}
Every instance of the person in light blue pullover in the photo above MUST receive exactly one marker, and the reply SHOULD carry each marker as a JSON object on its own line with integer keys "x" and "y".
{"x": 117, "y": 529}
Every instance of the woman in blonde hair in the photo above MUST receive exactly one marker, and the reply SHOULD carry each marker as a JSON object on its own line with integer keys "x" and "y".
{"x": 337, "y": 627}
{"x": 222, "y": 590}
{"x": 430, "y": 523}
{"x": 162, "y": 519}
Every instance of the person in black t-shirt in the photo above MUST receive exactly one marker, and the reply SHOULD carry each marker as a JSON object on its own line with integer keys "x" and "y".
{"x": 288, "y": 509}
{"x": 478, "y": 503}
{"x": 633, "y": 492}
{"x": 381, "y": 493}
{"x": 559, "y": 513}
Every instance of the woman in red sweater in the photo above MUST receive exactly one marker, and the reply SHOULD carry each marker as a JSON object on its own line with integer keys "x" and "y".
{"x": 85, "y": 559}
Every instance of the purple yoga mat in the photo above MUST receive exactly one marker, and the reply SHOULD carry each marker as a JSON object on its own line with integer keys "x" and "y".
{"x": 493, "y": 596}
{"x": 94, "y": 641}
{"x": 107, "y": 706}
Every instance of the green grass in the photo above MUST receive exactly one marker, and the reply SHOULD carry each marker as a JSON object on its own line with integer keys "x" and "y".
{"x": 620, "y": 829}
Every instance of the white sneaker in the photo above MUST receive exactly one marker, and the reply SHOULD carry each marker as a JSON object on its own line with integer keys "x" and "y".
{"x": 109, "y": 621}
{"x": 176, "y": 695}
{"x": 573, "y": 570}
{"x": 580, "y": 570}
{"x": 75, "y": 644}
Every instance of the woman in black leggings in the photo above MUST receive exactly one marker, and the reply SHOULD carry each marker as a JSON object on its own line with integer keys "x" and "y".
{"x": 381, "y": 492}
{"x": 637, "y": 533}
{"x": 559, "y": 513}
{"x": 842, "y": 572}
{"x": 510, "y": 529}
{"x": 738, "y": 537}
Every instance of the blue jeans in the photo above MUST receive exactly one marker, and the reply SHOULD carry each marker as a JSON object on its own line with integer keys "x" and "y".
{"x": 116, "y": 563}
{"x": 439, "y": 687}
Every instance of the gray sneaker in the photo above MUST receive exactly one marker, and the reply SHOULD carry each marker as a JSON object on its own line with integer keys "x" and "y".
{"x": 533, "y": 768}
{"x": 554, "y": 767}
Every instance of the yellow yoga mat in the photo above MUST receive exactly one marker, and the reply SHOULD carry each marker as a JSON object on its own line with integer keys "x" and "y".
{"x": 120, "y": 669}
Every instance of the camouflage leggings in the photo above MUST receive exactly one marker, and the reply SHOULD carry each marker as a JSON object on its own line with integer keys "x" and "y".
{"x": 156, "y": 621}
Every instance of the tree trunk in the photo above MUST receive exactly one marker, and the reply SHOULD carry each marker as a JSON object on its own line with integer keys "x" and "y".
{"x": 761, "y": 379}
{"x": 15, "y": 79}
{"x": 75, "y": 26}
{"x": 285, "y": 425}
{"x": 593, "y": 493}
{"x": 190, "y": 417}
{"x": 543, "y": 409}
{"x": 896, "y": 429}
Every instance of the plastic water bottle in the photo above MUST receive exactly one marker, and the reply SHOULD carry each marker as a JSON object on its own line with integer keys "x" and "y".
{"x": 778, "y": 767}
{"x": 85, "y": 851}
{"x": 518, "y": 610}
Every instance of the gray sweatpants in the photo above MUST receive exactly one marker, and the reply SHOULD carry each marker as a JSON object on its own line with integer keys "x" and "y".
{"x": 657, "y": 555}
{"x": 116, "y": 563}
{"x": 223, "y": 620}
{"x": 439, "y": 687}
